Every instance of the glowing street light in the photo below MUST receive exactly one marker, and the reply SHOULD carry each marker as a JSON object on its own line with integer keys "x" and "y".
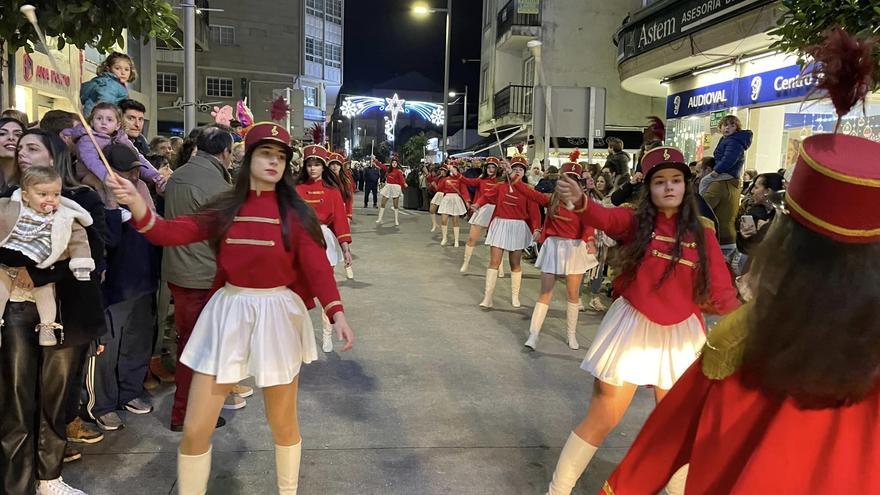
{"x": 421, "y": 9}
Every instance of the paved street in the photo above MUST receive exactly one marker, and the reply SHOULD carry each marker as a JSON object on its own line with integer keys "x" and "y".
{"x": 437, "y": 397}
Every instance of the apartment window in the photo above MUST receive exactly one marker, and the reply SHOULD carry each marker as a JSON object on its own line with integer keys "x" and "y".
{"x": 333, "y": 11}
{"x": 484, "y": 84}
{"x": 223, "y": 35}
{"x": 334, "y": 55}
{"x": 310, "y": 96}
{"x": 315, "y": 7}
{"x": 166, "y": 82}
{"x": 314, "y": 50}
{"x": 219, "y": 86}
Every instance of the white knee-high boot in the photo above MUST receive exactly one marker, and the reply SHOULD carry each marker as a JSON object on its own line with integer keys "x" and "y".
{"x": 573, "y": 460}
{"x": 445, "y": 230}
{"x": 396, "y": 217}
{"x": 491, "y": 280}
{"x": 456, "y": 231}
{"x": 193, "y": 472}
{"x": 501, "y": 269}
{"x": 538, "y": 316}
{"x": 468, "y": 252}
{"x": 571, "y": 321}
{"x": 327, "y": 334}
{"x": 433, "y": 222}
{"x": 287, "y": 460}
{"x": 515, "y": 284}
{"x": 381, "y": 214}
{"x": 677, "y": 482}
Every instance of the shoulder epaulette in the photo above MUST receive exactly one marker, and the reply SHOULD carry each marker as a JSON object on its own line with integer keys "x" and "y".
{"x": 725, "y": 345}
{"x": 631, "y": 206}
{"x": 707, "y": 223}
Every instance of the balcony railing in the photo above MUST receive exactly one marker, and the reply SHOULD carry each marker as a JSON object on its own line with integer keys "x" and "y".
{"x": 508, "y": 18}
{"x": 513, "y": 100}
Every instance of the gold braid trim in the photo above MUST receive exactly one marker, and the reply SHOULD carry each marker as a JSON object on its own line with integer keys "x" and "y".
{"x": 707, "y": 223}
{"x": 607, "y": 489}
{"x": 725, "y": 345}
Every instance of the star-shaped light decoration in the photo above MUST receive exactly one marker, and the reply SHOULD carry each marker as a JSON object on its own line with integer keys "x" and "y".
{"x": 394, "y": 106}
{"x": 437, "y": 116}
{"x": 389, "y": 129}
{"x": 348, "y": 108}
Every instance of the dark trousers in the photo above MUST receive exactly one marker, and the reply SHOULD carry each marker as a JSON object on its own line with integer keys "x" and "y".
{"x": 371, "y": 188}
{"x": 35, "y": 382}
{"x": 117, "y": 375}
{"x": 188, "y": 305}
{"x": 77, "y": 377}
{"x": 425, "y": 204}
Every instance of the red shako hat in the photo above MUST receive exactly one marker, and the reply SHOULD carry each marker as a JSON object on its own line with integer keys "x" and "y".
{"x": 519, "y": 161}
{"x": 493, "y": 160}
{"x": 664, "y": 157}
{"x": 316, "y": 151}
{"x": 263, "y": 132}
{"x": 335, "y": 157}
{"x": 572, "y": 167}
{"x": 835, "y": 187}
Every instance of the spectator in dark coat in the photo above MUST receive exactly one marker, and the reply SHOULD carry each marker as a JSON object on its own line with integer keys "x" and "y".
{"x": 618, "y": 160}
{"x": 372, "y": 175}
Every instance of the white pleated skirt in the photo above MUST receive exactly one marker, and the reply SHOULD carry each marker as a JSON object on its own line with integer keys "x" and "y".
{"x": 334, "y": 250}
{"x": 242, "y": 332}
{"x": 509, "y": 235}
{"x": 483, "y": 216}
{"x": 630, "y": 348}
{"x": 563, "y": 256}
{"x": 452, "y": 204}
{"x": 437, "y": 199}
{"x": 392, "y": 191}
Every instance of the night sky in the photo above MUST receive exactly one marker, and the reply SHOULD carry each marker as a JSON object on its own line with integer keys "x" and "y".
{"x": 383, "y": 40}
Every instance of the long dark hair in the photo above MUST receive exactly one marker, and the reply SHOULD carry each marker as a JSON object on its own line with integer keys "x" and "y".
{"x": 217, "y": 216}
{"x": 688, "y": 229}
{"x": 498, "y": 172}
{"x": 327, "y": 175}
{"x": 63, "y": 162}
{"x": 814, "y": 325}
{"x": 344, "y": 181}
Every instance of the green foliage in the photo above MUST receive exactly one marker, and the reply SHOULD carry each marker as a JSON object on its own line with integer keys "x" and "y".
{"x": 803, "y": 23}
{"x": 412, "y": 151}
{"x": 99, "y": 23}
{"x": 383, "y": 151}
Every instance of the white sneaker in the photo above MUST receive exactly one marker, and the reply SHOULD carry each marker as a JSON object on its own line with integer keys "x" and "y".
{"x": 327, "y": 344}
{"x": 47, "y": 336}
{"x": 56, "y": 487}
{"x": 532, "y": 341}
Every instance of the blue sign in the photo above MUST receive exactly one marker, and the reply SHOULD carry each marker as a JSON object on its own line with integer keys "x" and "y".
{"x": 775, "y": 85}
{"x": 701, "y": 100}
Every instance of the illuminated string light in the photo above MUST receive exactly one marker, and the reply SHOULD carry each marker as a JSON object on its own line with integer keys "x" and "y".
{"x": 348, "y": 109}
{"x": 359, "y": 105}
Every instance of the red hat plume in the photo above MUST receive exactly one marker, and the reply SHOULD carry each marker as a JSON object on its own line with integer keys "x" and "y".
{"x": 317, "y": 133}
{"x": 279, "y": 109}
{"x": 844, "y": 67}
{"x": 574, "y": 155}
{"x": 656, "y": 130}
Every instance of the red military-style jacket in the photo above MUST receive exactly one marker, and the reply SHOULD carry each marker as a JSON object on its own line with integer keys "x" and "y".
{"x": 483, "y": 185}
{"x": 328, "y": 205}
{"x": 512, "y": 205}
{"x": 564, "y": 223}
{"x": 251, "y": 253}
{"x": 395, "y": 176}
{"x": 454, "y": 185}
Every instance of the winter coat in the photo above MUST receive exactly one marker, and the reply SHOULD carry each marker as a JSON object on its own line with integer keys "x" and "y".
{"x": 371, "y": 175}
{"x": 730, "y": 154}
{"x": 90, "y": 161}
{"x": 69, "y": 238}
{"x": 105, "y": 87}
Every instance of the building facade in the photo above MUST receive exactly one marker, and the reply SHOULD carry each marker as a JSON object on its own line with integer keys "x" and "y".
{"x": 576, "y": 53}
{"x": 709, "y": 58}
{"x": 291, "y": 49}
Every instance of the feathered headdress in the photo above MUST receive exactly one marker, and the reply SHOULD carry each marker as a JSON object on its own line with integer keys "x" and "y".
{"x": 317, "y": 133}
{"x": 574, "y": 155}
{"x": 844, "y": 68}
{"x": 656, "y": 130}
{"x": 279, "y": 109}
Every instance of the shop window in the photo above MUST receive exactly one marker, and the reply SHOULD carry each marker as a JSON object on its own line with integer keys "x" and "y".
{"x": 219, "y": 87}
{"x": 310, "y": 96}
{"x": 223, "y": 35}
{"x": 166, "y": 82}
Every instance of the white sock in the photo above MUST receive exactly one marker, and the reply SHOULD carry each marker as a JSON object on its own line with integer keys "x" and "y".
{"x": 573, "y": 460}
{"x": 538, "y": 316}
{"x": 287, "y": 460}
{"x": 193, "y": 472}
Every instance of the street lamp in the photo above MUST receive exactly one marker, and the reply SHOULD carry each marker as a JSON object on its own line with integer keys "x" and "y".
{"x": 453, "y": 94}
{"x": 422, "y": 9}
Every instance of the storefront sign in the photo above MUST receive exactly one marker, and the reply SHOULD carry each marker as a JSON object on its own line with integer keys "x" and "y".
{"x": 528, "y": 7}
{"x": 701, "y": 100}
{"x": 676, "y": 21}
{"x": 30, "y": 69}
{"x": 775, "y": 85}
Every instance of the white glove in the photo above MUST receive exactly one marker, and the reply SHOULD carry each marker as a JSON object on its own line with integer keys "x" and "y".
{"x": 125, "y": 214}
